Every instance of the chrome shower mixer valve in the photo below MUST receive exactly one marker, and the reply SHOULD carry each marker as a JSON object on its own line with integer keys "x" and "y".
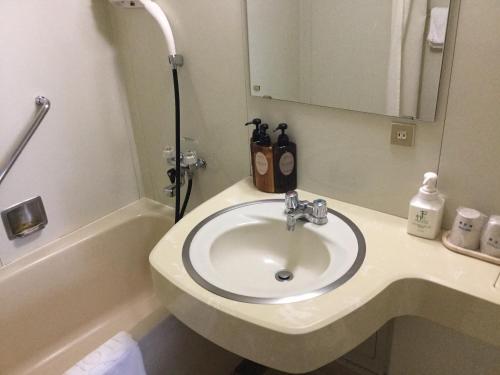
{"x": 189, "y": 161}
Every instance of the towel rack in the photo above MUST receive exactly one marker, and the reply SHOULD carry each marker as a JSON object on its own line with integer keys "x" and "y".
{"x": 44, "y": 106}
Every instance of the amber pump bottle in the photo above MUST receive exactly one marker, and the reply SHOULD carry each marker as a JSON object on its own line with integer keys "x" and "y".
{"x": 255, "y": 138}
{"x": 263, "y": 161}
{"x": 285, "y": 162}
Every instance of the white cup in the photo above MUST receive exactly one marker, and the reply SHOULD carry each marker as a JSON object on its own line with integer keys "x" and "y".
{"x": 490, "y": 240}
{"x": 466, "y": 230}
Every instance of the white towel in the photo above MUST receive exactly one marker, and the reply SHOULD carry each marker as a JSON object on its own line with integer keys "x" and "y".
{"x": 405, "y": 57}
{"x": 120, "y": 355}
{"x": 437, "y": 27}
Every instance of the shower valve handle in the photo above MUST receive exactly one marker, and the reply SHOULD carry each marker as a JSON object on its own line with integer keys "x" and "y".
{"x": 171, "y": 175}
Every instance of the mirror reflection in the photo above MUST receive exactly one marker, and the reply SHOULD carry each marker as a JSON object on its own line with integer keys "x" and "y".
{"x": 378, "y": 56}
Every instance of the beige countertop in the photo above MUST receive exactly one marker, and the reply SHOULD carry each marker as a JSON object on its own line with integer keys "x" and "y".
{"x": 401, "y": 275}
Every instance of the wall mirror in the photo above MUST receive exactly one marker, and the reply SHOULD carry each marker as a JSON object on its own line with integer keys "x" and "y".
{"x": 377, "y": 56}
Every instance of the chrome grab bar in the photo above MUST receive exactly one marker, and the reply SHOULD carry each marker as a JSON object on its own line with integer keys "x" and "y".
{"x": 44, "y": 105}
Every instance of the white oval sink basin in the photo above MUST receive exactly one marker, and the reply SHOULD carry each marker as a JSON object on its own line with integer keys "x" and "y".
{"x": 245, "y": 253}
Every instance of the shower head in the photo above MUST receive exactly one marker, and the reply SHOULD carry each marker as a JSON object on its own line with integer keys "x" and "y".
{"x": 161, "y": 18}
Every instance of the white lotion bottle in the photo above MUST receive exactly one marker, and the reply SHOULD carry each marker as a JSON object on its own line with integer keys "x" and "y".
{"x": 426, "y": 209}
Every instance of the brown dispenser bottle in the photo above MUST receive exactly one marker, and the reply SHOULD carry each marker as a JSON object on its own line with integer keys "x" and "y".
{"x": 285, "y": 162}
{"x": 263, "y": 161}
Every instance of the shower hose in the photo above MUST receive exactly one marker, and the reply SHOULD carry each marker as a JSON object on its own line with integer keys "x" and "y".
{"x": 179, "y": 212}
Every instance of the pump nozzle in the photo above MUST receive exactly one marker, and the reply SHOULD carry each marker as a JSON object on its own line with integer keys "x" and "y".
{"x": 283, "y": 139}
{"x": 429, "y": 185}
{"x": 255, "y": 133}
{"x": 281, "y": 127}
{"x": 255, "y": 121}
{"x": 264, "y": 139}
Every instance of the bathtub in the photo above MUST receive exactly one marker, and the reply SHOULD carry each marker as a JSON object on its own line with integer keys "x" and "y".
{"x": 62, "y": 301}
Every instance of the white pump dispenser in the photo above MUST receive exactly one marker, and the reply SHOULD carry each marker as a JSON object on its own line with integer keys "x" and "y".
{"x": 426, "y": 209}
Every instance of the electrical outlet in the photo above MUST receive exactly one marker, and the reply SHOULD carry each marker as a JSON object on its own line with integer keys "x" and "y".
{"x": 403, "y": 134}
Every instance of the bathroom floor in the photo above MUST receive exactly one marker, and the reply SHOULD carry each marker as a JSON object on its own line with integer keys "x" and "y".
{"x": 175, "y": 349}
{"x": 331, "y": 369}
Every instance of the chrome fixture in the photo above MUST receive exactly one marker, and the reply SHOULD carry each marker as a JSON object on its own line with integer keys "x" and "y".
{"x": 44, "y": 106}
{"x": 176, "y": 60}
{"x": 189, "y": 162}
{"x": 295, "y": 209}
{"x": 24, "y": 218}
{"x": 283, "y": 275}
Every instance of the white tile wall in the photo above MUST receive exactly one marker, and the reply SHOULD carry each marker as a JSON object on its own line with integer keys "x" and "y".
{"x": 80, "y": 160}
{"x": 212, "y": 82}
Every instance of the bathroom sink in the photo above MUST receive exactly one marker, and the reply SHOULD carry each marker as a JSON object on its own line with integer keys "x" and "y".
{"x": 231, "y": 247}
{"x": 245, "y": 253}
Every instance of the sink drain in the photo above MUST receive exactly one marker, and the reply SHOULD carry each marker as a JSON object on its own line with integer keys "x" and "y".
{"x": 283, "y": 275}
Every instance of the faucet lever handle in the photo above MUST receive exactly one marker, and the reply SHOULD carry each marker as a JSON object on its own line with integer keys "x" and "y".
{"x": 171, "y": 175}
{"x": 169, "y": 155}
{"x": 292, "y": 200}
{"x": 319, "y": 209}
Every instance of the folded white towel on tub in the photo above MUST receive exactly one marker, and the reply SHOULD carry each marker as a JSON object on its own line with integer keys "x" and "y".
{"x": 120, "y": 355}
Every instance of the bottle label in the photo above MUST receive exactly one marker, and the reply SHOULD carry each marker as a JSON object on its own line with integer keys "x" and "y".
{"x": 287, "y": 163}
{"x": 422, "y": 221}
{"x": 261, "y": 164}
{"x": 493, "y": 242}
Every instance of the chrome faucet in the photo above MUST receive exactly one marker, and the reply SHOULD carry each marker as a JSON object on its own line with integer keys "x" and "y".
{"x": 295, "y": 209}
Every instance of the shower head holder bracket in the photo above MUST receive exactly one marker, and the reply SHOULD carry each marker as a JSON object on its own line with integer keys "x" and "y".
{"x": 176, "y": 60}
